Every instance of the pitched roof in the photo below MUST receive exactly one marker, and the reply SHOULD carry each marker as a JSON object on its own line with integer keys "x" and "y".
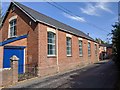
{"x": 106, "y": 45}
{"x": 36, "y": 16}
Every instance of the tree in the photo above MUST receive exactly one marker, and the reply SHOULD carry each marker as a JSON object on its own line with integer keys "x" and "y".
{"x": 116, "y": 42}
{"x": 100, "y": 41}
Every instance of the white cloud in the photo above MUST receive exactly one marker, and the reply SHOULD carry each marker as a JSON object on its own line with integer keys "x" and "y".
{"x": 90, "y": 10}
{"x": 103, "y": 6}
{"x": 94, "y": 9}
{"x": 76, "y": 18}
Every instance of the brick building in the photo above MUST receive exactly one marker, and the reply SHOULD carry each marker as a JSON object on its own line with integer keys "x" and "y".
{"x": 105, "y": 51}
{"x": 38, "y": 40}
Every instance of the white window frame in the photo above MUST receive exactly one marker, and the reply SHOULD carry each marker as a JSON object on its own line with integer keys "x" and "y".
{"x": 13, "y": 30}
{"x": 9, "y": 31}
{"x": 69, "y": 45}
{"x": 80, "y": 43}
{"x": 53, "y": 43}
{"x": 89, "y": 49}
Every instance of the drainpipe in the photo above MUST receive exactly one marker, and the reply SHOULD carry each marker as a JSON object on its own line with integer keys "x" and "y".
{"x": 57, "y": 49}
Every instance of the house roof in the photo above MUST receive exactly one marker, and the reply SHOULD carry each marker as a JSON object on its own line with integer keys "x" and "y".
{"x": 39, "y": 17}
{"x": 106, "y": 45}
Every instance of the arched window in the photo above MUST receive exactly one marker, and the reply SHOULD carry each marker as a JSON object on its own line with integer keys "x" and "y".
{"x": 12, "y": 29}
{"x": 51, "y": 43}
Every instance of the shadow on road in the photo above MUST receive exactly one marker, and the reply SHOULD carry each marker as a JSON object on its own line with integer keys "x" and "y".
{"x": 101, "y": 63}
{"x": 102, "y": 76}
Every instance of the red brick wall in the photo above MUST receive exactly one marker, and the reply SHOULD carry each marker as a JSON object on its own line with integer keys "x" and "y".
{"x": 85, "y": 51}
{"x": 1, "y": 35}
{"x": 23, "y": 28}
{"x": 97, "y": 57}
{"x": 48, "y": 65}
{"x": 9, "y": 76}
{"x": 92, "y": 52}
{"x": 1, "y": 56}
{"x": 6, "y": 77}
{"x": 22, "y": 42}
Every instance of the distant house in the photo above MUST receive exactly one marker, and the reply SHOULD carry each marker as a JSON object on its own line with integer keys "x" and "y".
{"x": 109, "y": 50}
{"x": 105, "y": 51}
{"x": 42, "y": 42}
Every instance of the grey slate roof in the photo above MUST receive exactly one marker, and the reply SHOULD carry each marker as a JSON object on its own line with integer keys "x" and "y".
{"x": 106, "y": 45}
{"x": 43, "y": 18}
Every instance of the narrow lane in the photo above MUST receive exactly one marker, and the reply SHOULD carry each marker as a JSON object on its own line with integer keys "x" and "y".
{"x": 99, "y": 75}
{"x": 102, "y": 76}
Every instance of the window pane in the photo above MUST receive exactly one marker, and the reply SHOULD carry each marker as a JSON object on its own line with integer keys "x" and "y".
{"x": 53, "y": 47}
{"x": 51, "y": 43}
{"x": 68, "y": 52}
{"x": 54, "y": 51}
{"x": 11, "y": 23}
{"x": 89, "y": 51}
{"x": 80, "y": 47}
{"x": 14, "y": 22}
{"x": 49, "y": 40}
{"x": 68, "y": 44}
{"x": 51, "y": 52}
{"x": 14, "y": 31}
{"x": 50, "y": 46}
{"x": 13, "y": 28}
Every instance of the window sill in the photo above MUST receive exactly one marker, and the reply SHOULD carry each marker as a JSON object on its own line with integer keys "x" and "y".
{"x": 6, "y": 68}
{"x": 69, "y": 55}
{"x": 81, "y": 55}
{"x": 89, "y": 55}
{"x": 12, "y": 37}
{"x": 51, "y": 56}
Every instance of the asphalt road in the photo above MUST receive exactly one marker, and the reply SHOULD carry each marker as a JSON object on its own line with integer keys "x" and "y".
{"x": 99, "y": 75}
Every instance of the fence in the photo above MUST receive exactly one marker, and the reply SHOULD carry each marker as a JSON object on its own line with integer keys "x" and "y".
{"x": 30, "y": 71}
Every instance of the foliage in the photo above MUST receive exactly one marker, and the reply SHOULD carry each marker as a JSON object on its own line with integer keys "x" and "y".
{"x": 100, "y": 41}
{"x": 116, "y": 43}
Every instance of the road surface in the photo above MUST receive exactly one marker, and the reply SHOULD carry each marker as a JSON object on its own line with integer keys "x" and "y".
{"x": 99, "y": 75}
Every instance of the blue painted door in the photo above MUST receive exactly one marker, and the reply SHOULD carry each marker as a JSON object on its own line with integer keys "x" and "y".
{"x": 9, "y": 52}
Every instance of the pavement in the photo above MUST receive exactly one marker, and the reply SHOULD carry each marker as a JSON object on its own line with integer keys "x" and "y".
{"x": 99, "y": 75}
